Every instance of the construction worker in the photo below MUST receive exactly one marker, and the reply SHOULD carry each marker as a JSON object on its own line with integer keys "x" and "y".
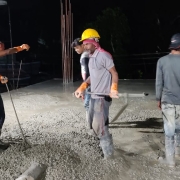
{"x": 103, "y": 79}
{"x": 4, "y": 79}
{"x": 84, "y": 60}
{"x": 168, "y": 97}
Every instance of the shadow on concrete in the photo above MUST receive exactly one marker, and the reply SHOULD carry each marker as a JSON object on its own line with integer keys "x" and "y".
{"x": 149, "y": 132}
{"x": 154, "y": 123}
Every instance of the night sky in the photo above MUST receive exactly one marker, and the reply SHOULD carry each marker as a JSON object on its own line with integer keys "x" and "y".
{"x": 142, "y": 15}
{"x": 151, "y": 23}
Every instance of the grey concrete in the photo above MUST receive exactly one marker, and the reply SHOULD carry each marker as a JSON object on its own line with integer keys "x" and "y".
{"x": 55, "y": 124}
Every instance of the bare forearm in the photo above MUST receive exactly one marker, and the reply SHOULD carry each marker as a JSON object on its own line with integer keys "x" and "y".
{"x": 115, "y": 77}
{"x": 88, "y": 80}
{"x": 14, "y": 50}
{"x": 4, "y": 52}
{"x": 10, "y": 51}
{"x": 84, "y": 76}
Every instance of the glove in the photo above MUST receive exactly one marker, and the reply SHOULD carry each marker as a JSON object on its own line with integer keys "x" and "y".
{"x": 22, "y": 47}
{"x": 3, "y": 79}
{"x": 114, "y": 91}
{"x": 79, "y": 92}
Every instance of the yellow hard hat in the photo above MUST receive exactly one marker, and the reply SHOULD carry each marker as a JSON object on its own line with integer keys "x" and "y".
{"x": 89, "y": 33}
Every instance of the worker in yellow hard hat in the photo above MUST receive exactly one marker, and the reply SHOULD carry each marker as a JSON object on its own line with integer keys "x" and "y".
{"x": 104, "y": 86}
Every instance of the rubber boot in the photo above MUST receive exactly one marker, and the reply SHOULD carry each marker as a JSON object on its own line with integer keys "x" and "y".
{"x": 106, "y": 143}
{"x": 3, "y": 146}
{"x": 177, "y": 144}
{"x": 169, "y": 159}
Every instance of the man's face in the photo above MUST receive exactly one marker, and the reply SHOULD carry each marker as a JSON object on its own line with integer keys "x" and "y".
{"x": 89, "y": 47}
{"x": 1, "y": 46}
{"x": 79, "y": 49}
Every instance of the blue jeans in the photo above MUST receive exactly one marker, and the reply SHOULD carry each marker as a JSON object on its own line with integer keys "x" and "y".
{"x": 87, "y": 98}
{"x": 171, "y": 118}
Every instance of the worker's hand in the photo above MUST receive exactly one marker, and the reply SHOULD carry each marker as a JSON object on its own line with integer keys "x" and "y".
{"x": 3, "y": 79}
{"x": 159, "y": 105}
{"x": 22, "y": 47}
{"x": 25, "y": 47}
{"x": 114, "y": 91}
{"x": 79, "y": 93}
{"x": 114, "y": 94}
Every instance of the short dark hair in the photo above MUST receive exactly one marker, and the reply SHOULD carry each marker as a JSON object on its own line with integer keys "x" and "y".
{"x": 76, "y": 42}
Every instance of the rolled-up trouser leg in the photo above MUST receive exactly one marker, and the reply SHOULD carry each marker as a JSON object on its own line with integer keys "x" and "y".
{"x": 177, "y": 144}
{"x": 168, "y": 111}
{"x": 170, "y": 150}
{"x": 177, "y": 131}
{"x": 100, "y": 125}
{"x": 106, "y": 144}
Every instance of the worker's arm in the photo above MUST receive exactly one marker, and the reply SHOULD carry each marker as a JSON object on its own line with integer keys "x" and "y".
{"x": 14, "y": 50}
{"x": 79, "y": 92}
{"x": 88, "y": 80}
{"x": 114, "y": 75}
{"x": 114, "y": 86}
{"x": 108, "y": 63}
{"x": 84, "y": 68}
{"x": 159, "y": 83}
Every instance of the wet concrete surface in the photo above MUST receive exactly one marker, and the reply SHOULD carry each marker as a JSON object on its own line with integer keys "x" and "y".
{"x": 54, "y": 123}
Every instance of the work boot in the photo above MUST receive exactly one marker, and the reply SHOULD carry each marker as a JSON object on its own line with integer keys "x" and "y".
{"x": 106, "y": 144}
{"x": 177, "y": 144}
{"x": 3, "y": 145}
{"x": 169, "y": 159}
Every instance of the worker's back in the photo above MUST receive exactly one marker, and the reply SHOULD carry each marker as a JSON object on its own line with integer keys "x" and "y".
{"x": 169, "y": 71}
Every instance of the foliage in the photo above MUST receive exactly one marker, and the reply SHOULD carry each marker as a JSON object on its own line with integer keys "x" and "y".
{"x": 114, "y": 30}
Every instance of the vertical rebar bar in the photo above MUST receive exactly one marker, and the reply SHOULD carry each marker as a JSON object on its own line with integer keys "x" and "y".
{"x": 66, "y": 39}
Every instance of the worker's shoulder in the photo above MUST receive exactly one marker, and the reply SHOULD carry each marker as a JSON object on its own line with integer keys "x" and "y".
{"x": 164, "y": 58}
{"x": 105, "y": 54}
{"x": 85, "y": 54}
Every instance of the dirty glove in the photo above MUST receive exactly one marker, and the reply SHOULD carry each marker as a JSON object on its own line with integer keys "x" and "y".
{"x": 79, "y": 92}
{"x": 22, "y": 47}
{"x": 114, "y": 91}
{"x": 3, "y": 79}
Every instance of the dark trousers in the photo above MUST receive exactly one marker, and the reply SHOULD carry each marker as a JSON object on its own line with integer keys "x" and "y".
{"x": 2, "y": 113}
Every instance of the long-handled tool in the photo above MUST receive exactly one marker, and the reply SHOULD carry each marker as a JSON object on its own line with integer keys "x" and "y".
{"x": 26, "y": 144}
{"x": 124, "y": 95}
{"x": 19, "y": 75}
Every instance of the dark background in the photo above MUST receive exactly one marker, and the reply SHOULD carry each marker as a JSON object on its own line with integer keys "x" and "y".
{"x": 151, "y": 23}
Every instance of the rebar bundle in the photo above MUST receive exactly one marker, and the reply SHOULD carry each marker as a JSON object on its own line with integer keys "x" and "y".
{"x": 66, "y": 39}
